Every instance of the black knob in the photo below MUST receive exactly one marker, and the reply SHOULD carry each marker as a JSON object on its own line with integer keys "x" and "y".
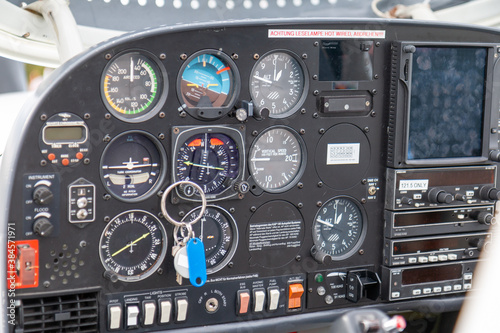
{"x": 261, "y": 114}
{"x": 460, "y": 197}
{"x": 42, "y": 195}
{"x": 406, "y": 201}
{"x": 486, "y": 218}
{"x": 188, "y": 190}
{"x": 111, "y": 276}
{"x": 495, "y": 155}
{"x": 489, "y": 193}
{"x": 43, "y": 227}
{"x": 241, "y": 187}
{"x": 439, "y": 196}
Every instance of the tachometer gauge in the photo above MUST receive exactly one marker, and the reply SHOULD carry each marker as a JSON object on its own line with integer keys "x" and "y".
{"x": 338, "y": 228}
{"x": 133, "y": 245}
{"x": 208, "y": 84}
{"x": 211, "y": 160}
{"x": 132, "y": 86}
{"x": 278, "y": 83}
{"x": 277, "y": 159}
{"x": 217, "y": 229}
{"x": 133, "y": 165}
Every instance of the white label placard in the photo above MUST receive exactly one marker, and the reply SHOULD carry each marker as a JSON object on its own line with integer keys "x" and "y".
{"x": 342, "y": 153}
{"x": 414, "y": 185}
{"x": 312, "y": 33}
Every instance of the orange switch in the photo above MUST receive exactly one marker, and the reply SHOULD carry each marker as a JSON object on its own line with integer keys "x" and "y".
{"x": 243, "y": 301}
{"x": 295, "y": 291}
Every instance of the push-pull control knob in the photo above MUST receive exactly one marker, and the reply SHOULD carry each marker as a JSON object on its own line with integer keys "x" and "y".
{"x": 486, "y": 218}
{"x": 407, "y": 201}
{"x": 439, "y": 196}
{"x": 43, "y": 227}
{"x": 42, "y": 195}
{"x": 489, "y": 193}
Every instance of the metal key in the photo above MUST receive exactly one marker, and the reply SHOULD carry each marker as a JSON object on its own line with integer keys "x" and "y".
{"x": 179, "y": 251}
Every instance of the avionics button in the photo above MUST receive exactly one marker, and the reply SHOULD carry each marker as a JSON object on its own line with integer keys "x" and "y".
{"x": 423, "y": 260}
{"x": 447, "y": 288}
{"x": 395, "y": 294}
{"x": 165, "y": 311}
{"x": 457, "y": 287}
{"x": 274, "y": 297}
{"x": 427, "y": 291}
{"x": 468, "y": 276}
{"x": 259, "y": 297}
{"x": 79, "y": 155}
{"x": 437, "y": 289}
{"x": 243, "y": 302}
{"x": 433, "y": 258}
{"x": 417, "y": 196}
{"x": 452, "y": 256}
{"x": 295, "y": 291}
{"x": 149, "y": 309}
{"x": 417, "y": 292}
{"x": 467, "y": 286}
{"x": 132, "y": 316}
{"x": 115, "y": 317}
{"x": 181, "y": 305}
{"x": 65, "y": 162}
{"x": 412, "y": 260}
{"x": 442, "y": 257}
{"x": 51, "y": 156}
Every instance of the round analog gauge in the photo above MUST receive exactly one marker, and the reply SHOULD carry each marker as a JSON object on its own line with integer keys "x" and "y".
{"x": 277, "y": 83}
{"x": 338, "y": 227}
{"x": 217, "y": 229}
{"x": 132, "y": 86}
{"x": 277, "y": 159}
{"x": 211, "y": 160}
{"x": 132, "y": 166}
{"x": 207, "y": 84}
{"x": 133, "y": 245}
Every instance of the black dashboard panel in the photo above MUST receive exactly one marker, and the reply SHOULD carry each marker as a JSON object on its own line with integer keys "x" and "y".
{"x": 293, "y": 130}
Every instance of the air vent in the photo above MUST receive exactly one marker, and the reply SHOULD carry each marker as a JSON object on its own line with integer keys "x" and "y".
{"x": 68, "y": 313}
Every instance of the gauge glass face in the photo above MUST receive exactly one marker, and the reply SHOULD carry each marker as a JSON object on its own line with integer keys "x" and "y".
{"x": 338, "y": 227}
{"x": 132, "y": 166}
{"x": 277, "y": 83}
{"x": 133, "y": 245}
{"x": 211, "y": 160}
{"x": 207, "y": 81}
{"x": 276, "y": 159}
{"x": 217, "y": 229}
{"x": 131, "y": 86}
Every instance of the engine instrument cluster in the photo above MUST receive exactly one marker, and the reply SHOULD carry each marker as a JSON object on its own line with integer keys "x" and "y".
{"x": 285, "y": 156}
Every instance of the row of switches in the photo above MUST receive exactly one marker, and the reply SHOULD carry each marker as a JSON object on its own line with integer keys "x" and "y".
{"x": 149, "y": 313}
{"x": 259, "y": 300}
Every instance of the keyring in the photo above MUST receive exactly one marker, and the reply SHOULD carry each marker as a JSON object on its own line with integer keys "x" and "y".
{"x": 164, "y": 202}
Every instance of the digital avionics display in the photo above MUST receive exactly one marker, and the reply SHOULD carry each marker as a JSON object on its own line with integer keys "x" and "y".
{"x": 447, "y": 102}
{"x": 346, "y": 60}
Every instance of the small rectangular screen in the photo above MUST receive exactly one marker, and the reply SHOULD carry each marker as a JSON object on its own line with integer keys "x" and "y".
{"x": 346, "y": 60}
{"x": 431, "y": 274}
{"x": 447, "y": 102}
{"x": 63, "y": 134}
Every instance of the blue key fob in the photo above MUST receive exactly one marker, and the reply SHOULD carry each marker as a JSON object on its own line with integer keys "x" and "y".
{"x": 196, "y": 259}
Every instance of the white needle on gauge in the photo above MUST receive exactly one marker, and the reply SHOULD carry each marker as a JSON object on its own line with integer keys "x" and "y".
{"x": 131, "y": 70}
{"x": 324, "y": 222}
{"x": 338, "y": 218}
{"x": 262, "y": 79}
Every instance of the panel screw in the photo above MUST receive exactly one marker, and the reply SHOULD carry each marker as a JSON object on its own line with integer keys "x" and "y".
{"x": 163, "y": 56}
{"x": 315, "y": 115}
{"x": 86, "y": 161}
{"x": 316, "y": 92}
{"x": 373, "y": 113}
{"x": 183, "y": 114}
{"x": 300, "y": 185}
{"x": 321, "y": 131}
{"x": 315, "y": 77}
{"x": 232, "y": 210}
{"x": 161, "y": 115}
{"x": 107, "y": 116}
{"x": 107, "y": 56}
{"x": 106, "y": 138}
{"x": 320, "y": 184}
{"x": 363, "y": 200}
{"x": 230, "y": 265}
{"x": 304, "y": 56}
{"x": 161, "y": 136}
{"x": 364, "y": 181}
{"x": 106, "y": 197}
{"x": 86, "y": 116}
{"x": 235, "y": 56}
{"x": 183, "y": 56}
{"x": 107, "y": 219}
{"x": 43, "y": 117}
{"x": 302, "y": 131}
{"x": 366, "y": 129}
{"x": 181, "y": 213}
{"x": 43, "y": 162}
{"x": 374, "y": 91}
{"x": 319, "y": 203}
{"x": 253, "y": 209}
{"x": 256, "y": 56}
{"x": 375, "y": 76}
{"x": 176, "y": 130}
{"x": 255, "y": 133}
{"x": 361, "y": 252}
{"x": 83, "y": 243}
{"x": 46, "y": 284}
{"x": 303, "y": 111}
{"x": 316, "y": 44}
{"x": 160, "y": 271}
{"x": 377, "y": 44}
